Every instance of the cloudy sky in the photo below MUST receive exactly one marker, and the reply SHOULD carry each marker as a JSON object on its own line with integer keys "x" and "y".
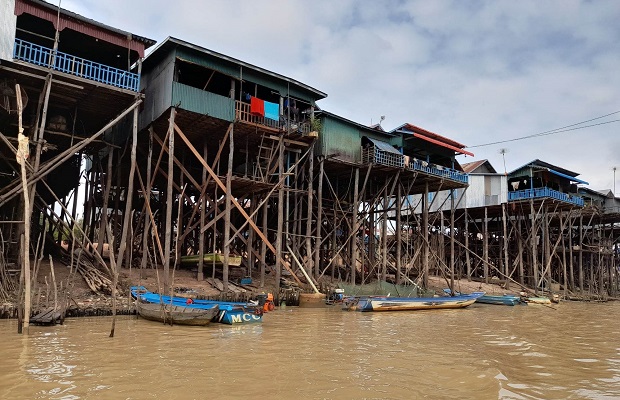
{"x": 474, "y": 71}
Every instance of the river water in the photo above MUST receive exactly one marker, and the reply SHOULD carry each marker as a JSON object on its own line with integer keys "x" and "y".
{"x": 481, "y": 352}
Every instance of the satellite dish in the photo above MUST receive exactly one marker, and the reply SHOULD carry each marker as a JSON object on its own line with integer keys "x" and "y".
{"x": 8, "y": 97}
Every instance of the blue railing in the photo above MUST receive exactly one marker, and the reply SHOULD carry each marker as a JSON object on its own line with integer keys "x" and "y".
{"x": 444, "y": 172}
{"x": 42, "y": 56}
{"x": 537, "y": 193}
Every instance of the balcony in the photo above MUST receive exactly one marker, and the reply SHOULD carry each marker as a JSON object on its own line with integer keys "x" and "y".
{"x": 66, "y": 63}
{"x": 438, "y": 170}
{"x": 243, "y": 114}
{"x": 545, "y": 192}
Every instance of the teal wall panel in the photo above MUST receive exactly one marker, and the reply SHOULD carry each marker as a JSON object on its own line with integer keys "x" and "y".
{"x": 199, "y": 101}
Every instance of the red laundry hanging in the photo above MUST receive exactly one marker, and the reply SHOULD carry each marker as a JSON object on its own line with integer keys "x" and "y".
{"x": 257, "y": 107}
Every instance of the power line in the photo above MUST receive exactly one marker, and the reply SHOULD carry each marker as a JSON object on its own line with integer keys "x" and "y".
{"x": 554, "y": 131}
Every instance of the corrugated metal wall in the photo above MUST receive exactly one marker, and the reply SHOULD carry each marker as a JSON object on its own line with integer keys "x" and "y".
{"x": 203, "y": 102}
{"x": 483, "y": 190}
{"x": 338, "y": 137}
{"x": 158, "y": 94}
{"x": 8, "y": 24}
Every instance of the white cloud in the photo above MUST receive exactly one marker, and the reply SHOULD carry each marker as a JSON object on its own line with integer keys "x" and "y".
{"x": 475, "y": 71}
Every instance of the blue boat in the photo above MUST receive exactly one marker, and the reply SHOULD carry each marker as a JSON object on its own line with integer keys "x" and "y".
{"x": 381, "y": 303}
{"x": 229, "y": 312}
{"x": 506, "y": 300}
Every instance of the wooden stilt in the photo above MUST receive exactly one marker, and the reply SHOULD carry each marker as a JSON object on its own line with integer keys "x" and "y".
{"x": 231, "y": 151}
{"x": 169, "y": 204}
{"x": 466, "y": 233}
{"x": 425, "y": 237}
{"x": 309, "y": 216}
{"x": 485, "y": 249}
{"x": 355, "y": 229}
{"x": 399, "y": 229}
{"x": 319, "y": 221}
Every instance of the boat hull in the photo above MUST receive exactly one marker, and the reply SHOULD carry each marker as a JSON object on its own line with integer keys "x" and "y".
{"x": 499, "y": 300}
{"x": 176, "y": 315}
{"x": 366, "y": 304}
{"x": 231, "y": 313}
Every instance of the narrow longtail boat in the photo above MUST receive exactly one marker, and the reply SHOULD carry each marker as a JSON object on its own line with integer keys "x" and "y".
{"x": 229, "y": 312}
{"x": 176, "y": 315}
{"x": 380, "y": 303}
{"x": 506, "y": 300}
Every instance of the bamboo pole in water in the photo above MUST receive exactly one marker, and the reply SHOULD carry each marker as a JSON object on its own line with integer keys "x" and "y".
{"x": 22, "y": 155}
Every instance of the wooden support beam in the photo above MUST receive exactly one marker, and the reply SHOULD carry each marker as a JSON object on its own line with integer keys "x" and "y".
{"x": 169, "y": 203}
{"x": 233, "y": 200}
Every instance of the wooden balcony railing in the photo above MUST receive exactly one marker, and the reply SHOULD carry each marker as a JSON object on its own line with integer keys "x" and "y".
{"x": 242, "y": 113}
{"x": 42, "y": 56}
{"x": 543, "y": 192}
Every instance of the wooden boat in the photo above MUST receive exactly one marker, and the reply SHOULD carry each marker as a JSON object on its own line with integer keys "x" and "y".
{"x": 228, "y": 312}
{"x": 174, "y": 314}
{"x": 506, "y": 300}
{"x": 211, "y": 258}
{"x": 380, "y": 303}
{"x": 537, "y": 300}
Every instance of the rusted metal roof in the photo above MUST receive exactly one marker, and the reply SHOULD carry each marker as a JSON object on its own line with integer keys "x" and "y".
{"x": 474, "y": 165}
{"x": 76, "y": 22}
{"x": 434, "y": 138}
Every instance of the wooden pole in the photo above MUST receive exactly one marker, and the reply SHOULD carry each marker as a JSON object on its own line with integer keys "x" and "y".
{"x": 466, "y": 232}
{"x": 564, "y": 277}
{"x": 580, "y": 255}
{"x": 319, "y": 221}
{"x": 226, "y": 249}
{"x": 534, "y": 242}
{"x": 425, "y": 260}
{"x": 384, "y": 236}
{"x": 399, "y": 238}
{"x": 485, "y": 249}
{"x": 280, "y": 226}
{"x": 354, "y": 216}
{"x": 505, "y": 226}
{"x": 147, "y": 197}
{"x": 104, "y": 208}
{"x": 22, "y": 155}
{"x": 452, "y": 249}
{"x": 169, "y": 203}
{"x": 263, "y": 245}
{"x": 570, "y": 254}
{"x": 309, "y": 215}
{"x": 520, "y": 253}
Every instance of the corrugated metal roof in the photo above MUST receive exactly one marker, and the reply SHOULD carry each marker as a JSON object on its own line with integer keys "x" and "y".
{"x": 381, "y": 145}
{"x": 431, "y": 137}
{"x": 571, "y": 178}
{"x": 83, "y": 25}
{"x": 171, "y": 42}
{"x": 543, "y": 164}
{"x": 410, "y": 128}
{"x": 472, "y": 166}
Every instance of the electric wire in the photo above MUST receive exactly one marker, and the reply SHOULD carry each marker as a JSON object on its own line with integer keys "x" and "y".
{"x": 566, "y": 128}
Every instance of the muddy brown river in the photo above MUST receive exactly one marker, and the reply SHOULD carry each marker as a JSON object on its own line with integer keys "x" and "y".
{"x": 482, "y": 352}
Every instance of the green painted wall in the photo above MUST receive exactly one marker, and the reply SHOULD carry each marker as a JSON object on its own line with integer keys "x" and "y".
{"x": 199, "y": 101}
{"x": 339, "y": 136}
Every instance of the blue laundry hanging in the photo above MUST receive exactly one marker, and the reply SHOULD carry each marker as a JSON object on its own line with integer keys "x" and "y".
{"x": 272, "y": 111}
